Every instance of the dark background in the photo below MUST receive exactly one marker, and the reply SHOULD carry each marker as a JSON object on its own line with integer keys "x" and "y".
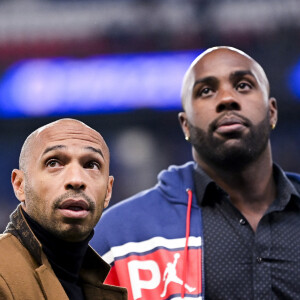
{"x": 143, "y": 142}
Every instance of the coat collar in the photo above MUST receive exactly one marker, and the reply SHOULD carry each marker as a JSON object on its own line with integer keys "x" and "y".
{"x": 94, "y": 268}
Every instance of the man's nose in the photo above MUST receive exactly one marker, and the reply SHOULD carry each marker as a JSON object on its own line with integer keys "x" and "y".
{"x": 75, "y": 178}
{"x": 227, "y": 100}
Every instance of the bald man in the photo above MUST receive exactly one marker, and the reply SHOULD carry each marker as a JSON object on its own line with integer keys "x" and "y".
{"x": 231, "y": 217}
{"x": 63, "y": 185}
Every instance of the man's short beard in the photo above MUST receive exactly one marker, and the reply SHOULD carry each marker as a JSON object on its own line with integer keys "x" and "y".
{"x": 53, "y": 227}
{"x": 214, "y": 151}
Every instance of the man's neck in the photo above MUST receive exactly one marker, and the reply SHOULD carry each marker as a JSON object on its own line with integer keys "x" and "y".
{"x": 66, "y": 258}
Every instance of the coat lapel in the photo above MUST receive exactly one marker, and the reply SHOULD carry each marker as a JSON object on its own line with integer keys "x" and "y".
{"x": 50, "y": 285}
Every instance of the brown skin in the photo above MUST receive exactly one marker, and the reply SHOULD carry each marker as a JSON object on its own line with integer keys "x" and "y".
{"x": 225, "y": 95}
{"x": 64, "y": 183}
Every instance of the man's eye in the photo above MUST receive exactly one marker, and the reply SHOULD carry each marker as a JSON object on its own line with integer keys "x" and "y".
{"x": 53, "y": 163}
{"x": 243, "y": 86}
{"x": 92, "y": 165}
{"x": 205, "y": 92}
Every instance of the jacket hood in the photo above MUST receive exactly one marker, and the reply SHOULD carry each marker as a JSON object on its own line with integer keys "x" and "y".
{"x": 175, "y": 181}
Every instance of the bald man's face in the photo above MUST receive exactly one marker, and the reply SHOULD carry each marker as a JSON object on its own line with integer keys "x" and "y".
{"x": 67, "y": 183}
{"x": 227, "y": 105}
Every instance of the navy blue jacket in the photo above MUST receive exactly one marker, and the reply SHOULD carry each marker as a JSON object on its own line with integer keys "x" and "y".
{"x": 144, "y": 239}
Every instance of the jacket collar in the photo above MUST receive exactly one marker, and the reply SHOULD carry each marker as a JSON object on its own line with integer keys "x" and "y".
{"x": 94, "y": 268}
{"x": 288, "y": 186}
{"x": 175, "y": 181}
{"x": 20, "y": 229}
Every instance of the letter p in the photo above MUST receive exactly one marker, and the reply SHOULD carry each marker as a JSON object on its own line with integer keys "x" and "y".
{"x": 136, "y": 283}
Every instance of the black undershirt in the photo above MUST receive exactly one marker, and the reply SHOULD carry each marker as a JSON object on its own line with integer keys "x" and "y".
{"x": 66, "y": 258}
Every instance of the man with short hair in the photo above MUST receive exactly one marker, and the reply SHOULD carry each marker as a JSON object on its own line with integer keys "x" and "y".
{"x": 231, "y": 217}
{"x": 63, "y": 185}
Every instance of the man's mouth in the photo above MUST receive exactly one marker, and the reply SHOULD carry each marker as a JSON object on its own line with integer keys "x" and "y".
{"x": 229, "y": 125}
{"x": 76, "y": 209}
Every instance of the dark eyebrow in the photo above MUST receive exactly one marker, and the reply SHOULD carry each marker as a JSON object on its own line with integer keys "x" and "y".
{"x": 96, "y": 150}
{"x": 240, "y": 74}
{"x": 207, "y": 80}
{"x": 234, "y": 75}
{"x": 53, "y": 148}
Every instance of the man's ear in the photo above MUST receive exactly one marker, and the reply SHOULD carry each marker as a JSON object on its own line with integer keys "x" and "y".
{"x": 17, "y": 180}
{"x": 184, "y": 124}
{"x": 109, "y": 191}
{"x": 273, "y": 112}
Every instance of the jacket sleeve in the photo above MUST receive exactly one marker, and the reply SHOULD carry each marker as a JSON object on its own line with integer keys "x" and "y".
{"x": 5, "y": 292}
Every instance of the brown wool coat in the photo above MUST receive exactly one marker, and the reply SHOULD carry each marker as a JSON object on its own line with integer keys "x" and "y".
{"x": 26, "y": 274}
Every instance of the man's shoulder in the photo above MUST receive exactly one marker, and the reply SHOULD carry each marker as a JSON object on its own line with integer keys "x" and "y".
{"x": 13, "y": 255}
{"x": 170, "y": 185}
{"x": 9, "y": 244}
{"x": 140, "y": 202}
{"x": 12, "y": 252}
{"x": 8, "y": 241}
{"x": 20, "y": 273}
{"x": 294, "y": 178}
